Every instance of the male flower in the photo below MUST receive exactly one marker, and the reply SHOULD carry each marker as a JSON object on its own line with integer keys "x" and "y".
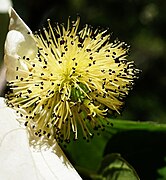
{"x": 61, "y": 78}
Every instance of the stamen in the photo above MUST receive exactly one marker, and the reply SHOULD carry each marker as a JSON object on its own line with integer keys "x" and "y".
{"x": 76, "y": 77}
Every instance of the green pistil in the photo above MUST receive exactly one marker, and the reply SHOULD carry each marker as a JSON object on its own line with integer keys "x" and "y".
{"x": 79, "y": 92}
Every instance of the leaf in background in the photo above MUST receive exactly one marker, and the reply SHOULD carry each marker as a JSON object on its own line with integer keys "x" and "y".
{"x": 141, "y": 143}
{"x": 87, "y": 154}
{"x": 114, "y": 167}
{"x": 144, "y": 149}
{"x": 123, "y": 125}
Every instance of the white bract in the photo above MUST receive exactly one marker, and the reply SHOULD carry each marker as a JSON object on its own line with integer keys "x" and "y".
{"x": 5, "y": 5}
{"x": 19, "y": 161}
{"x": 18, "y": 42}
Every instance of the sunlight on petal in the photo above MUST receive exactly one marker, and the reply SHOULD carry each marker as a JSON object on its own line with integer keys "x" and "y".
{"x": 22, "y": 161}
{"x": 5, "y": 5}
{"x": 19, "y": 42}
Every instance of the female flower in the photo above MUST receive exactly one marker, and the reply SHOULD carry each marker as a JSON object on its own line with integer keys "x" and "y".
{"x": 61, "y": 78}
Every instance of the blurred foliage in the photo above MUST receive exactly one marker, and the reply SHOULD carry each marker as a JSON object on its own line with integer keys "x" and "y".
{"x": 142, "y": 25}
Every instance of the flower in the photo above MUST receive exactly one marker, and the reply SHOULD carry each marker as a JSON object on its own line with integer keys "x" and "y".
{"x": 19, "y": 161}
{"x": 64, "y": 78}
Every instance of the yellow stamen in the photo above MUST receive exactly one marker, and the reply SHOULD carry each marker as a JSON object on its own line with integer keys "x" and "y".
{"x": 73, "y": 80}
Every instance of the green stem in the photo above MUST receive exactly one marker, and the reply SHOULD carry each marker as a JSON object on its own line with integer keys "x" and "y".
{"x": 135, "y": 125}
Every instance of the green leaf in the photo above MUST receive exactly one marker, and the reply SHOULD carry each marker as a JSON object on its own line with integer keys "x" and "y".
{"x": 87, "y": 156}
{"x": 114, "y": 167}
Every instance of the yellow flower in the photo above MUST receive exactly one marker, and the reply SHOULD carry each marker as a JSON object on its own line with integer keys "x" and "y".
{"x": 61, "y": 78}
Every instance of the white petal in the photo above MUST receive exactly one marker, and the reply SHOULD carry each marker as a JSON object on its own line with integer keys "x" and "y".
{"x": 19, "y": 161}
{"x": 5, "y": 5}
{"x": 13, "y": 51}
{"x": 19, "y": 42}
{"x": 17, "y": 23}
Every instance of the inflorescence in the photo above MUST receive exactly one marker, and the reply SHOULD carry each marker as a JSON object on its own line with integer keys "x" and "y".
{"x": 76, "y": 79}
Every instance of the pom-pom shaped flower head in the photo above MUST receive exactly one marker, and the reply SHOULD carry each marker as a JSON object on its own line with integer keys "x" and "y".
{"x": 61, "y": 78}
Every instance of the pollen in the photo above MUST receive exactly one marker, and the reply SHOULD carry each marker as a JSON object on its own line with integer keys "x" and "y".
{"x": 77, "y": 78}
